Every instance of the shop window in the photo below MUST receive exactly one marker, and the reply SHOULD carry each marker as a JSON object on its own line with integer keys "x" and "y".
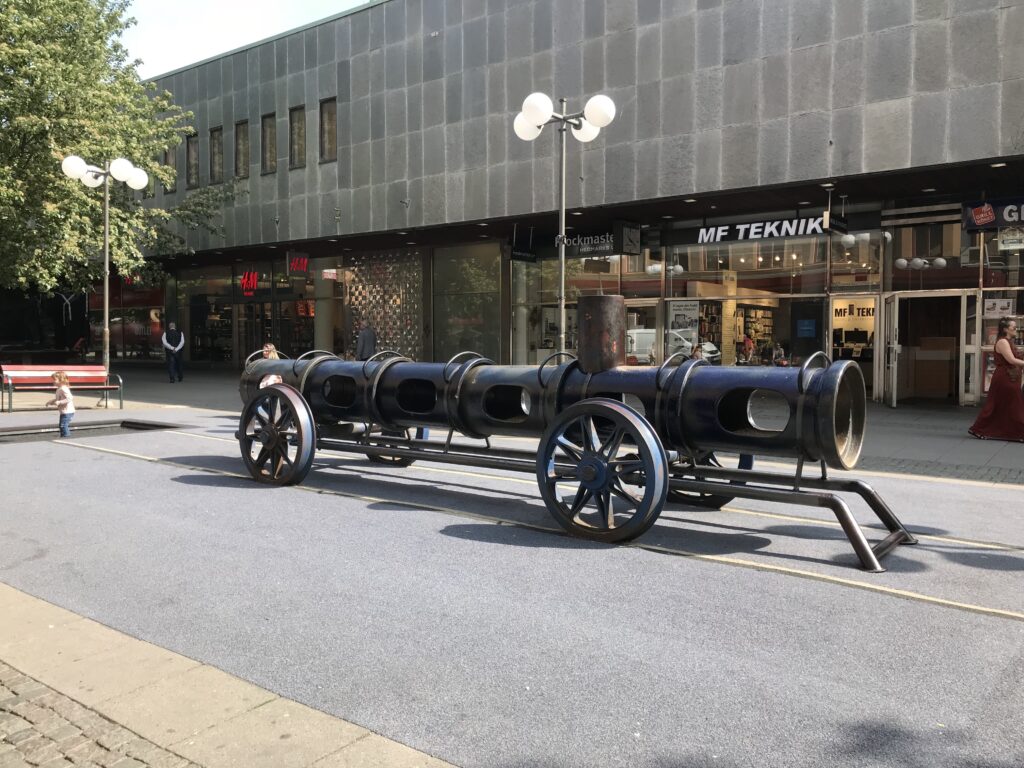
{"x": 172, "y": 186}
{"x": 856, "y": 259}
{"x": 297, "y": 137}
{"x": 934, "y": 256}
{"x": 242, "y": 149}
{"x": 268, "y": 144}
{"x": 192, "y": 162}
{"x": 328, "y": 130}
{"x": 467, "y": 306}
{"x": 216, "y": 155}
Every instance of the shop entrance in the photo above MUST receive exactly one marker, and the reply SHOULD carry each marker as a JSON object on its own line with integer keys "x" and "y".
{"x": 925, "y": 349}
{"x": 255, "y": 326}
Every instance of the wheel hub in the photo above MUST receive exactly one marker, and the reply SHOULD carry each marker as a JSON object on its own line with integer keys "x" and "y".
{"x": 593, "y": 472}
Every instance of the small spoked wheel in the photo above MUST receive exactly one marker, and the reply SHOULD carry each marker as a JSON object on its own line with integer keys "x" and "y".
{"x": 277, "y": 436}
{"x": 602, "y": 471}
{"x": 710, "y": 500}
{"x": 420, "y": 433}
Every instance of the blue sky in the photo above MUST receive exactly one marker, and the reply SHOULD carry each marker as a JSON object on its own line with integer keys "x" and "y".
{"x": 172, "y": 35}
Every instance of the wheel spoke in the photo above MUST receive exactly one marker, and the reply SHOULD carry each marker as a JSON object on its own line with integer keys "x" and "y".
{"x": 261, "y": 457}
{"x": 591, "y": 440}
{"x": 582, "y": 497}
{"x": 573, "y": 450}
{"x": 604, "y": 509}
{"x": 626, "y": 466}
{"x": 623, "y": 494}
{"x": 612, "y": 445}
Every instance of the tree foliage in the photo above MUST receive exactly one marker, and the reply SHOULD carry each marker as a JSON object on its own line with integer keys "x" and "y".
{"x": 67, "y": 87}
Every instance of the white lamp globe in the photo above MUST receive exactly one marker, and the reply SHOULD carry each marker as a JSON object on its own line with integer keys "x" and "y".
{"x": 92, "y": 177}
{"x": 654, "y": 269}
{"x": 848, "y": 241}
{"x": 73, "y": 166}
{"x": 524, "y": 128}
{"x": 917, "y": 263}
{"x": 677, "y": 269}
{"x": 537, "y": 108}
{"x": 887, "y": 236}
{"x": 137, "y": 179}
{"x": 586, "y": 132}
{"x": 939, "y": 263}
{"x": 900, "y": 264}
{"x": 121, "y": 169}
{"x": 599, "y": 110}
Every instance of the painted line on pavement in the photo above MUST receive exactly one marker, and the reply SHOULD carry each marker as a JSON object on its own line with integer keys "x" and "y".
{"x": 721, "y": 559}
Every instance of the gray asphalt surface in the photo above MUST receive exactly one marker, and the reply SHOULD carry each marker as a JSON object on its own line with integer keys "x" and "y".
{"x": 500, "y": 645}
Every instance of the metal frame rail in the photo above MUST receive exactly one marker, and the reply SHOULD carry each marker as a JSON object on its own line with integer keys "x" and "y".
{"x": 750, "y": 484}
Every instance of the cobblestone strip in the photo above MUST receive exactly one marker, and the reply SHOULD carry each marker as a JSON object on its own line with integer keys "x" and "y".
{"x": 936, "y": 469}
{"x": 40, "y": 728}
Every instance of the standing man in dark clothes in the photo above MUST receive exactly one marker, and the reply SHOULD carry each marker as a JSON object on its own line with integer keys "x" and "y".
{"x": 173, "y": 341}
{"x": 366, "y": 342}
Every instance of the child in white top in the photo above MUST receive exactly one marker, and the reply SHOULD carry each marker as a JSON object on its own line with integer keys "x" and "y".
{"x": 270, "y": 353}
{"x": 64, "y": 401}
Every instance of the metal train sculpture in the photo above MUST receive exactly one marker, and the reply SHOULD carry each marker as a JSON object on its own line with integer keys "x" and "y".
{"x": 616, "y": 443}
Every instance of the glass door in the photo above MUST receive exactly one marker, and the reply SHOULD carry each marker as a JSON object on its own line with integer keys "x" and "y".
{"x": 255, "y": 327}
{"x": 970, "y": 367}
{"x": 892, "y": 349}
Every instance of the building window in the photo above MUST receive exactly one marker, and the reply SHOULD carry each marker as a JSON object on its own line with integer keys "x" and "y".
{"x": 169, "y": 162}
{"x": 268, "y": 144}
{"x": 296, "y": 137}
{"x": 192, "y": 162}
{"x": 328, "y": 130}
{"x": 242, "y": 149}
{"x": 216, "y": 155}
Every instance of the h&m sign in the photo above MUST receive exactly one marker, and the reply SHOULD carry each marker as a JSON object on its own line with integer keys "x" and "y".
{"x": 298, "y": 263}
{"x": 761, "y": 230}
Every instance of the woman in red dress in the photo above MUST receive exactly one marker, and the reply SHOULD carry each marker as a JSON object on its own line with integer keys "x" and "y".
{"x": 1002, "y": 418}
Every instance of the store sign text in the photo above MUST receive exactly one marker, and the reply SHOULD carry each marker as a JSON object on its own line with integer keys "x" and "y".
{"x": 762, "y": 230}
{"x": 588, "y": 245}
{"x": 977, "y": 216}
{"x": 248, "y": 282}
{"x": 853, "y": 311}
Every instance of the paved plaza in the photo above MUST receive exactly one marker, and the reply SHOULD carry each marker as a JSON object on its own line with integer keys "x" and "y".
{"x": 161, "y": 607}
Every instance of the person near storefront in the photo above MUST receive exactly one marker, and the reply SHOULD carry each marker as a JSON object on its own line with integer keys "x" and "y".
{"x": 1002, "y": 416}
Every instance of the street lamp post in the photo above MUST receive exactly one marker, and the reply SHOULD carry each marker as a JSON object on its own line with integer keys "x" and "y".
{"x": 538, "y": 111}
{"x": 120, "y": 169}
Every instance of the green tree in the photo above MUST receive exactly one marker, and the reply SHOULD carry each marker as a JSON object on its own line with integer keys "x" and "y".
{"x": 67, "y": 87}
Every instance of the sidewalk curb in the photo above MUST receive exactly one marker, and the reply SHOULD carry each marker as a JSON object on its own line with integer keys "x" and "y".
{"x": 87, "y": 691}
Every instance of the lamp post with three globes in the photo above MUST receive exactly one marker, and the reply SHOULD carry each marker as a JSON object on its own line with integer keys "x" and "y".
{"x": 92, "y": 176}
{"x": 538, "y": 111}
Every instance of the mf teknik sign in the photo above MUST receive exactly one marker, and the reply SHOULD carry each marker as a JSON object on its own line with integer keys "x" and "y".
{"x": 761, "y": 230}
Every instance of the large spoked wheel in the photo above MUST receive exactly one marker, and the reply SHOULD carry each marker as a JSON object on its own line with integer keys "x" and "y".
{"x": 420, "y": 433}
{"x": 602, "y": 471}
{"x": 277, "y": 436}
{"x": 710, "y": 500}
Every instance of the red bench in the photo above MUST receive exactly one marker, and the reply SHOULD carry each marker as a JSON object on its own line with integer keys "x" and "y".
{"x": 38, "y": 378}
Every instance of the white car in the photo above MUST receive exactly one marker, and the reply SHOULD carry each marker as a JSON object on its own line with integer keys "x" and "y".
{"x": 640, "y": 346}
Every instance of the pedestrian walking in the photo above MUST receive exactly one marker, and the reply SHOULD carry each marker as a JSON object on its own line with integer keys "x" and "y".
{"x": 1002, "y": 417}
{"x": 173, "y": 341}
{"x": 270, "y": 353}
{"x": 366, "y": 342}
{"x": 64, "y": 401}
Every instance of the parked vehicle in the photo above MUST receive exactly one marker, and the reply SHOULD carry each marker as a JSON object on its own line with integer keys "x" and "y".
{"x": 640, "y": 344}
